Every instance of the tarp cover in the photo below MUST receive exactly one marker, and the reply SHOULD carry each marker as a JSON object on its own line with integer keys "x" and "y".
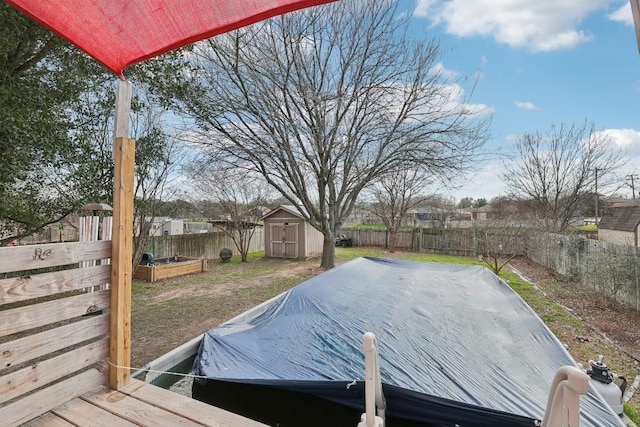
{"x": 118, "y": 33}
{"x": 452, "y": 339}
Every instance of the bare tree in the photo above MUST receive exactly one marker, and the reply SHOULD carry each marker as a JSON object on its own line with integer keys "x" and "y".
{"x": 501, "y": 240}
{"x": 393, "y": 195}
{"x": 324, "y": 101}
{"x": 555, "y": 170}
{"x": 157, "y": 157}
{"x": 90, "y": 177}
{"x": 238, "y": 196}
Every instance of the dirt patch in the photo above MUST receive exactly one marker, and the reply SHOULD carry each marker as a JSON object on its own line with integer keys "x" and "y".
{"x": 170, "y": 312}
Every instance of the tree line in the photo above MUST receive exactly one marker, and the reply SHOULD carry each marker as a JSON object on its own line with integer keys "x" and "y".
{"x": 325, "y": 108}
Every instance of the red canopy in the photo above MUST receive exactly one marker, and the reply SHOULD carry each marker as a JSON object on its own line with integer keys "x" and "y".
{"x": 118, "y": 33}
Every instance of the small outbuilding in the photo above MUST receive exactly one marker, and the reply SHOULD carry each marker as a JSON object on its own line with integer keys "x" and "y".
{"x": 620, "y": 223}
{"x": 288, "y": 235}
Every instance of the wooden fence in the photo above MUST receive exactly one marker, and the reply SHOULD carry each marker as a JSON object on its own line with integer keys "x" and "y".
{"x": 611, "y": 269}
{"x": 54, "y": 342}
{"x": 207, "y": 245}
{"x": 448, "y": 241}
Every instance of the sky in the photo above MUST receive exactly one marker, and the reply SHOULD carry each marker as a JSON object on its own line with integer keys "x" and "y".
{"x": 540, "y": 62}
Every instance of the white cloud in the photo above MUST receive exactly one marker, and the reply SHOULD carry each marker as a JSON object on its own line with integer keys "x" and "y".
{"x": 527, "y": 106}
{"x": 540, "y": 25}
{"x": 485, "y": 182}
{"x": 452, "y": 98}
{"x": 626, "y": 139}
{"x": 440, "y": 70}
{"x": 623, "y": 14}
{"x": 422, "y": 8}
{"x": 629, "y": 141}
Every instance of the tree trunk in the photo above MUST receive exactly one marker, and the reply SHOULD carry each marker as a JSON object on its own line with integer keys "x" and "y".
{"x": 393, "y": 239}
{"x": 328, "y": 251}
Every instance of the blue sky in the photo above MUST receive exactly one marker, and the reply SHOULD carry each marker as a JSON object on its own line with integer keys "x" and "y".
{"x": 541, "y": 62}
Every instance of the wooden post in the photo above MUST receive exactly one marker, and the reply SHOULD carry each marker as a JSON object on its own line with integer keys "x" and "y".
{"x": 635, "y": 12}
{"x": 123, "y": 108}
{"x": 121, "y": 269}
{"x": 122, "y": 242}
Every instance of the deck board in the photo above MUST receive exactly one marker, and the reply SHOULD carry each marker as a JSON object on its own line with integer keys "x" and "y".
{"x": 131, "y": 409}
{"x": 82, "y": 413}
{"x": 139, "y": 404}
{"x": 48, "y": 420}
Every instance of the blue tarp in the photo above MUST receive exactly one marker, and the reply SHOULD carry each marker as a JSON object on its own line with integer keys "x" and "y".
{"x": 457, "y": 345}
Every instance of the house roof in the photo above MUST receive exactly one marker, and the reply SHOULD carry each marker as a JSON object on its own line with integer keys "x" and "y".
{"x": 623, "y": 218}
{"x": 618, "y": 203}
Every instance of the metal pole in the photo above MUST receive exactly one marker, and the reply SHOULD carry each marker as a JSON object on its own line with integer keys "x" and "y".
{"x": 596, "y": 219}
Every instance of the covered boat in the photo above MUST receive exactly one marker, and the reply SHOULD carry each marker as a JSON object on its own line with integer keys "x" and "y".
{"x": 457, "y": 347}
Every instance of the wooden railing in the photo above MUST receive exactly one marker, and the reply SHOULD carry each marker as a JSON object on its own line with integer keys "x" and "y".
{"x": 54, "y": 332}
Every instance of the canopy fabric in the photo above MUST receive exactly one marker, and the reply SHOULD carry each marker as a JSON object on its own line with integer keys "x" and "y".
{"x": 457, "y": 345}
{"x": 118, "y": 33}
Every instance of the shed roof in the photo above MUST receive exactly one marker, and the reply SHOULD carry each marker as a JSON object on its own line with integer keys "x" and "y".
{"x": 623, "y": 218}
{"x": 288, "y": 208}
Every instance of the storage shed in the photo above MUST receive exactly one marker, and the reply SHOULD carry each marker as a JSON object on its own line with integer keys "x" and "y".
{"x": 288, "y": 235}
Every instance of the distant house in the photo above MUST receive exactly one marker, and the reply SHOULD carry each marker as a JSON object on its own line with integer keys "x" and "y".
{"x": 288, "y": 235}
{"x": 430, "y": 216}
{"x": 229, "y": 225}
{"x": 258, "y": 212}
{"x": 482, "y": 213}
{"x": 620, "y": 222}
{"x": 162, "y": 226}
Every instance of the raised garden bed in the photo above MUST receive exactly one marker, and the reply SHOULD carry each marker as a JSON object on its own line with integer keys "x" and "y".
{"x": 166, "y": 268}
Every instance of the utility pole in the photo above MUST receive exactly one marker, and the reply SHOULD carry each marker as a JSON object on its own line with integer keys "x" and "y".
{"x": 633, "y": 187}
{"x": 597, "y": 198}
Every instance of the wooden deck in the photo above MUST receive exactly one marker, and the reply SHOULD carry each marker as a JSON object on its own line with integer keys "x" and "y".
{"x": 138, "y": 404}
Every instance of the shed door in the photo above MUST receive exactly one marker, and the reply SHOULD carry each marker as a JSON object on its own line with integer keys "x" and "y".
{"x": 284, "y": 240}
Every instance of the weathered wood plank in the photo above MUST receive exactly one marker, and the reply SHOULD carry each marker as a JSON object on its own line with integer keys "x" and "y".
{"x": 20, "y": 258}
{"x": 38, "y": 315}
{"x": 41, "y": 285}
{"x": 82, "y": 413}
{"x": 188, "y": 408}
{"x": 121, "y": 271}
{"x": 26, "y": 380}
{"x": 135, "y": 411}
{"x": 46, "y": 399}
{"x": 24, "y": 349}
{"x": 48, "y": 420}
